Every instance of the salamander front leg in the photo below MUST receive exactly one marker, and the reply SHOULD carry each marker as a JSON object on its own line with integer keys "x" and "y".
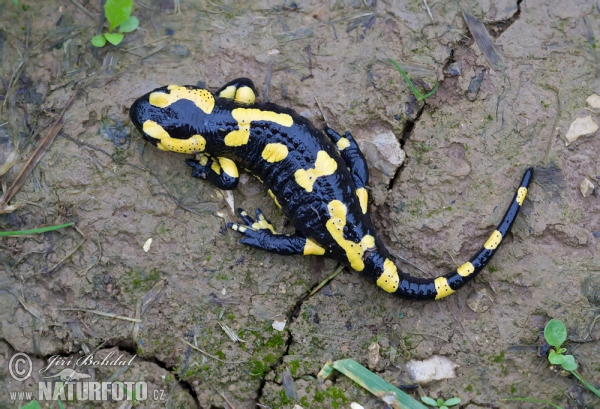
{"x": 356, "y": 162}
{"x": 260, "y": 234}
{"x": 220, "y": 172}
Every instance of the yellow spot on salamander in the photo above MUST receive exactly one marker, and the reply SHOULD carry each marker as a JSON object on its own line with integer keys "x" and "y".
{"x": 263, "y": 224}
{"x": 273, "y": 197}
{"x": 228, "y": 92}
{"x": 521, "y": 193}
{"x": 201, "y": 97}
{"x": 388, "y": 280}
{"x": 493, "y": 241}
{"x": 325, "y": 165}
{"x": 311, "y": 247}
{"x": 275, "y": 152}
{"x": 203, "y": 159}
{"x": 245, "y": 116}
{"x": 363, "y": 198}
{"x": 342, "y": 144}
{"x": 229, "y": 167}
{"x": 237, "y": 227}
{"x": 245, "y": 95}
{"x": 335, "y": 226}
{"x": 466, "y": 269}
{"x": 193, "y": 144}
{"x": 216, "y": 168}
{"x": 442, "y": 288}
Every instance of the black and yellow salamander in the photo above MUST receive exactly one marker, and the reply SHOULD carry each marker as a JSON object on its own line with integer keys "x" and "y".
{"x": 317, "y": 178}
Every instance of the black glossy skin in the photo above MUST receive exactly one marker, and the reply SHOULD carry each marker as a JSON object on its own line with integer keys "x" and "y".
{"x": 308, "y": 211}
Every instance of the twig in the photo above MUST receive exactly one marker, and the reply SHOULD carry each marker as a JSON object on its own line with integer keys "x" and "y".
{"x": 35, "y": 157}
{"x": 209, "y": 355}
{"x": 102, "y": 313}
{"x": 428, "y": 10}
{"x": 327, "y": 280}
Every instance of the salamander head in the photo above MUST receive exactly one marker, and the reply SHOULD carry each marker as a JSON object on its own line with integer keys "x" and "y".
{"x": 170, "y": 117}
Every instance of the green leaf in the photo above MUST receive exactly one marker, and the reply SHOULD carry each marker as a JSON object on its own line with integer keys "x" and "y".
{"x": 569, "y": 363}
{"x": 117, "y": 11}
{"x": 443, "y": 407}
{"x": 371, "y": 382}
{"x": 452, "y": 402}
{"x": 99, "y": 41}
{"x": 429, "y": 400}
{"x": 555, "y": 333}
{"x": 439, "y": 401}
{"x": 114, "y": 38}
{"x": 31, "y": 405}
{"x": 556, "y": 359}
{"x": 60, "y": 404}
{"x": 129, "y": 25}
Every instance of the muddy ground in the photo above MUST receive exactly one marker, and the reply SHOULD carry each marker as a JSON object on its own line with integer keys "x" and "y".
{"x": 466, "y": 150}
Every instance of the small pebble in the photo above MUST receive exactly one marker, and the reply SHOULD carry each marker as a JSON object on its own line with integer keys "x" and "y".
{"x": 587, "y": 187}
{"x": 594, "y": 101}
{"x": 580, "y": 127}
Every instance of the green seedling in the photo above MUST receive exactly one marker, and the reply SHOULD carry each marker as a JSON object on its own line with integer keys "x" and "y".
{"x": 34, "y": 404}
{"x": 34, "y": 231}
{"x": 439, "y": 402}
{"x": 118, "y": 14}
{"x": 416, "y": 93}
{"x": 555, "y": 334}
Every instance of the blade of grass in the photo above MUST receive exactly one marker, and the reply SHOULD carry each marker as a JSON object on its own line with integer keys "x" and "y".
{"x": 34, "y": 231}
{"x": 586, "y": 383}
{"x": 417, "y": 94}
{"x": 377, "y": 386}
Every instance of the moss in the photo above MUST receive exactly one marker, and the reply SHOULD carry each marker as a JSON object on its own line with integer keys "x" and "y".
{"x": 284, "y": 400}
{"x": 294, "y": 365}
{"x": 319, "y": 396}
{"x": 498, "y": 358}
{"x": 469, "y": 388}
{"x": 260, "y": 367}
{"x": 275, "y": 341}
{"x": 337, "y": 397}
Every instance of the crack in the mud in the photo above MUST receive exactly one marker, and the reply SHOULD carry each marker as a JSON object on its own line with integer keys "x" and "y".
{"x": 185, "y": 385}
{"x": 499, "y": 27}
{"x": 131, "y": 349}
{"x": 291, "y": 316}
{"x": 409, "y": 126}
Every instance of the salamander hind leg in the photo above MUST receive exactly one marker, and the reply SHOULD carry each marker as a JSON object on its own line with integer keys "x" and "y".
{"x": 241, "y": 90}
{"x": 356, "y": 162}
{"x": 261, "y": 234}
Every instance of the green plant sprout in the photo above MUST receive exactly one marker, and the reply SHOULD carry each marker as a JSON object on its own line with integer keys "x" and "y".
{"x": 440, "y": 403}
{"x": 555, "y": 334}
{"x": 416, "y": 93}
{"x": 118, "y": 14}
{"x": 34, "y": 231}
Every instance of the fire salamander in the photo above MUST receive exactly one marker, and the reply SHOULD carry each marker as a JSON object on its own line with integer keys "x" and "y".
{"x": 317, "y": 178}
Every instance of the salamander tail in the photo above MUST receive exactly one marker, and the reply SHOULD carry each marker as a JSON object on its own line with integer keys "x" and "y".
{"x": 407, "y": 286}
